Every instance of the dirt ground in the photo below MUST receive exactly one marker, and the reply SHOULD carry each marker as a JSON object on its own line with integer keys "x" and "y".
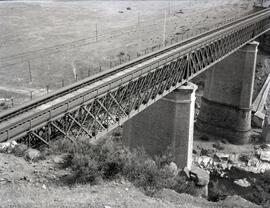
{"x": 30, "y": 30}
{"x": 24, "y": 184}
{"x": 56, "y": 42}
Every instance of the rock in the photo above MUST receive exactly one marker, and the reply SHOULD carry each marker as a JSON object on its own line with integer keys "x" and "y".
{"x": 262, "y": 167}
{"x": 44, "y": 186}
{"x": 4, "y": 146}
{"x": 254, "y": 162}
{"x": 199, "y": 176}
{"x": 205, "y": 161}
{"x": 265, "y": 155}
{"x": 242, "y": 182}
{"x": 219, "y": 156}
{"x": 222, "y": 156}
{"x": 263, "y": 146}
{"x": 7, "y": 146}
{"x": 20, "y": 150}
{"x": 3, "y": 181}
{"x": 223, "y": 166}
{"x": 258, "y": 119}
{"x": 172, "y": 167}
{"x": 13, "y": 144}
{"x": 32, "y": 155}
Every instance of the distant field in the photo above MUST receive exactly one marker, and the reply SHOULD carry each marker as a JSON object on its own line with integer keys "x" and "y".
{"x": 56, "y": 40}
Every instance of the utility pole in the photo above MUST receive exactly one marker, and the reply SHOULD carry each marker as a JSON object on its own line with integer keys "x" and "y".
{"x": 30, "y": 73}
{"x": 96, "y": 33}
{"x": 31, "y": 95}
{"x": 164, "y": 28}
{"x": 169, "y": 9}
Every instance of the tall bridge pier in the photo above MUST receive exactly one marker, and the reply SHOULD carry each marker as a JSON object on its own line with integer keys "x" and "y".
{"x": 225, "y": 110}
{"x": 169, "y": 121}
{"x": 227, "y": 99}
{"x": 94, "y": 106}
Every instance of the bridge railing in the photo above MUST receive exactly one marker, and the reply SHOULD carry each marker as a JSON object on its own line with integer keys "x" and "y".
{"x": 30, "y": 94}
{"x": 96, "y": 108}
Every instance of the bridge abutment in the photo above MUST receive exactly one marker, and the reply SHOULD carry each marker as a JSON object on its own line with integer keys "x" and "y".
{"x": 227, "y": 99}
{"x": 169, "y": 121}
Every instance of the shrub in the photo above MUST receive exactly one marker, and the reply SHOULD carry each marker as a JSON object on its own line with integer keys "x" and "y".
{"x": 86, "y": 168}
{"x": 262, "y": 194}
{"x": 217, "y": 191}
{"x": 107, "y": 160}
{"x": 60, "y": 146}
{"x": 143, "y": 171}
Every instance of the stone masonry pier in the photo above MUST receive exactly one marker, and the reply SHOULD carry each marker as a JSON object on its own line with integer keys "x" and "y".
{"x": 225, "y": 110}
{"x": 169, "y": 121}
{"x": 227, "y": 99}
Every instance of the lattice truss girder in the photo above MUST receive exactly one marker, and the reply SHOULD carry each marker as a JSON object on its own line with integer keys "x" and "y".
{"x": 112, "y": 108}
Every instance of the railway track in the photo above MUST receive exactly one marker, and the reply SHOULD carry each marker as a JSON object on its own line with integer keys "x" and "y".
{"x": 8, "y": 118}
{"x": 23, "y": 108}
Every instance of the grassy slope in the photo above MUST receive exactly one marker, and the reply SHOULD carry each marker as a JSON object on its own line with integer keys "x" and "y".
{"x": 24, "y": 184}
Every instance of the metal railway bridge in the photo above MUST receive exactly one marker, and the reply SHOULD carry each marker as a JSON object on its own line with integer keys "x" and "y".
{"x": 96, "y": 105}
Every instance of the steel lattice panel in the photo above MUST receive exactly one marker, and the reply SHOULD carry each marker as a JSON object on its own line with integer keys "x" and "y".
{"x": 111, "y": 108}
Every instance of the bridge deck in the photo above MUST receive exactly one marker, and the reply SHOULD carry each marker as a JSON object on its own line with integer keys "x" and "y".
{"x": 95, "y": 105}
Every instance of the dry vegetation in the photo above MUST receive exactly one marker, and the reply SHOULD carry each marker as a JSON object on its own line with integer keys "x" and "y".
{"x": 30, "y": 32}
{"x": 105, "y": 174}
{"x": 99, "y": 175}
{"x": 107, "y": 160}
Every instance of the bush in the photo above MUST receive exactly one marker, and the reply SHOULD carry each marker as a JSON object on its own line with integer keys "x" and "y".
{"x": 144, "y": 172}
{"x": 262, "y": 194}
{"x": 108, "y": 160}
{"x": 86, "y": 168}
{"x": 217, "y": 191}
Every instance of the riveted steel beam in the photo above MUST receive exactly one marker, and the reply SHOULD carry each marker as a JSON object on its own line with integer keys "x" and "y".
{"x": 94, "y": 106}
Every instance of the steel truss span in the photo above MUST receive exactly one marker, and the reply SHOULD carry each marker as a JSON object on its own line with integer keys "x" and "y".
{"x": 94, "y": 106}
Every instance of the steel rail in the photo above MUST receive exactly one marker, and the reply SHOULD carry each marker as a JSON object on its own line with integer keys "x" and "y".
{"x": 195, "y": 52}
{"x": 39, "y": 101}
